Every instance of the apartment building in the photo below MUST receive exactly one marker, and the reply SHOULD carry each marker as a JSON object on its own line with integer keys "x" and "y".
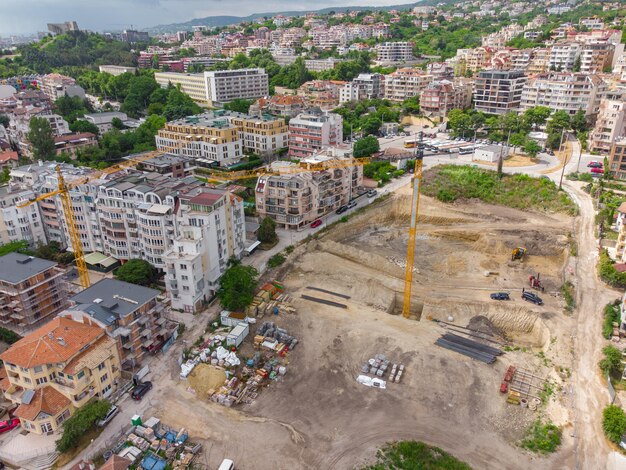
{"x": 210, "y": 230}
{"x": 596, "y": 56}
{"x": 311, "y": 132}
{"x": 617, "y": 159}
{"x": 116, "y": 69}
{"x": 405, "y": 83}
{"x": 208, "y": 138}
{"x": 563, "y": 56}
{"x": 20, "y": 223}
{"x": 322, "y": 93}
{"x": 564, "y": 92}
{"x": 55, "y": 86}
{"x": 388, "y": 52}
{"x": 130, "y": 314}
{"x": 280, "y": 105}
{"x": 610, "y": 124}
{"x": 226, "y": 85}
{"x": 498, "y": 91}
{"x": 70, "y": 143}
{"x": 440, "y": 97}
{"x": 173, "y": 166}
{"x": 319, "y": 65}
{"x": 104, "y": 121}
{"x": 58, "y": 369}
{"x": 31, "y": 291}
{"x": 193, "y": 84}
{"x": 366, "y": 86}
{"x": 262, "y": 135}
{"x": 295, "y": 200}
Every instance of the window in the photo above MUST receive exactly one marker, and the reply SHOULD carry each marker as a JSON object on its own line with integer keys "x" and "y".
{"x": 104, "y": 378}
{"x": 101, "y": 366}
{"x": 80, "y": 375}
{"x": 63, "y": 416}
{"x": 42, "y": 380}
{"x": 46, "y": 427}
{"x": 27, "y": 380}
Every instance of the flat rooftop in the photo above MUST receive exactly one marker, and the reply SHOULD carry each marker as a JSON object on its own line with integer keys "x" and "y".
{"x": 16, "y": 267}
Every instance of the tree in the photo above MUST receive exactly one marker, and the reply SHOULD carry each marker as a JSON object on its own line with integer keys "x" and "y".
{"x": 614, "y": 423}
{"x": 579, "y": 121}
{"x": 459, "y": 122}
{"x": 20, "y": 246}
{"x": 136, "y": 271}
{"x": 411, "y": 105}
{"x": 267, "y": 231}
{"x": 117, "y": 123}
{"x": 536, "y": 116}
{"x": 560, "y": 120}
{"x": 532, "y": 148}
{"x": 237, "y": 286}
{"x": 4, "y": 120}
{"x": 80, "y": 125}
{"x": 41, "y": 139}
{"x": 611, "y": 363}
{"x": 179, "y": 105}
{"x": 239, "y": 105}
{"x": 75, "y": 427}
{"x": 366, "y": 146}
{"x": 554, "y": 140}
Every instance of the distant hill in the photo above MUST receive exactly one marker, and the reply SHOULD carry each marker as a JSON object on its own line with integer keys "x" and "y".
{"x": 214, "y": 21}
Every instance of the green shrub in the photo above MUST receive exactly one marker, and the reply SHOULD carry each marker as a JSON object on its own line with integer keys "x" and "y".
{"x": 80, "y": 422}
{"x": 614, "y": 423}
{"x": 415, "y": 455}
{"x": 611, "y": 315}
{"x": 567, "y": 290}
{"x": 608, "y": 273}
{"x": 611, "y": 363}
{"x": 9, "y": 336}
{"x": 276, "y": 260}
{"x": 542, "y": 438}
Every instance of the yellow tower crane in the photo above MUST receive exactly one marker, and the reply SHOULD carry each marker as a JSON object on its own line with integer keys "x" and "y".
{"x": 63, "y": 191}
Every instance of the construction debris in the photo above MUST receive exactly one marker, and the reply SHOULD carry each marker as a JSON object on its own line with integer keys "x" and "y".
{"x": 270, "y": 300}
{"x": 524, "y": 387}
{"x": 468, "y": 347}
{"x": 379, "y": 365}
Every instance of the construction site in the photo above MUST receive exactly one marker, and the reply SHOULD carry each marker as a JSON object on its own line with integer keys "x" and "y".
{"x": 343, "y": 396}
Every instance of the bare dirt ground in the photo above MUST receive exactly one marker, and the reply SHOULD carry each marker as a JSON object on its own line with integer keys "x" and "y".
{"x": 319, "y": 417}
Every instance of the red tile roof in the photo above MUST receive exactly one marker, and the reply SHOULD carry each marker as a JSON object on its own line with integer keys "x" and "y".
{"x": 8, "y": 156}
{"x": 116, "y": 462}
{"x": 57, "y": 341}
{"x": 47, "y": 399}
{"x": 206, "y": 199}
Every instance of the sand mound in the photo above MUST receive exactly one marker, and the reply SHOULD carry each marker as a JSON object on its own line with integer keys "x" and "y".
{"x": 483, "y": 325}
{"x": 206, "y": 377}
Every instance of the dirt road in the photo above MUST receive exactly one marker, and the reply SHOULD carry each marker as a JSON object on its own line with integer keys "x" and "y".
{"x": 590, "y": 395}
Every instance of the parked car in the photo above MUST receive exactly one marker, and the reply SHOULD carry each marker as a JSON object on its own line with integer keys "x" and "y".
{"x": 342, "y": 209}
{"x": 140, "y": 390}
{"x": 351, "y": 204}
{"x": 500, "y": 296}
{"x": 227, "y": 464}
{"x": 594, "y": 164}
{"x": 371, "y": 193}
{"x": 9, "y": 424}
{"x": 316, "y": 223}
{"x": 109, "y": 416}
{"x": 597, "y": 170}
{"x": 532, "y": 297}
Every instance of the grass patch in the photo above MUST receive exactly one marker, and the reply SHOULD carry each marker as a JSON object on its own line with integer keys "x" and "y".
{"x": 84, "y": 442}
{"x": 542, "y": 438}
{"x": 608, "y": 273}
{"x": 449, "y": 183}
{"x": 610, "y": 234}
{"x": 611, "y": 315}
{"x": 573, "y": 245}
{"x": 569, "y": 294}
{"x": 415, "y": 455}
{"x": 276, "y": 260}
{"x": 586, "y": 177}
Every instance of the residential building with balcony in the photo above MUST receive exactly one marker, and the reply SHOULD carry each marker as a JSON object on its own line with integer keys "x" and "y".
{"x": 405, "y": 83}
{"x": 610, "y": 124}
{"x": 56, "y": 86}
{"x": 32, "y": 291}
{"x": 440, "y": 97}
{"x": 322, "y": 93}
{"x": 297, "y": 199}
{"x": 617, "y": 159}
{"x": 210, "y": 230}
{"x": 261, "y": 134}
{"x": 129, "y": 313}
{"x": 20, "y": 223}
{"x": 568, "y": 92}
{"x": 223, "y": 86}
{"x": 498, "y": 91}
{"x": 56, "y": 370}
{"x": 311, "y": 132}
{"x": 71, "y": 143}
{"x": 104, "y": 121}
{"x": 116, "y": 70}
{"x": 563, "y": 56}
{"x": 390, "y": 52}
{"x": 279, "y": 105}
{"x": 366, "y": 86}
{"x": 193, "y": 84}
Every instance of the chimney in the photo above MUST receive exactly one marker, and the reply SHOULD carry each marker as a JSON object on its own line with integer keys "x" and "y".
{"x": 61, "y": 341}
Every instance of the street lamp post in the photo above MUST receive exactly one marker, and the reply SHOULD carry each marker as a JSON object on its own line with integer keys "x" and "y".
{"x": 564, "y": 159}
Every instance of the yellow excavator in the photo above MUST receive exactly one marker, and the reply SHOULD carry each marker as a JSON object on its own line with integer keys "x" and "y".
{"x": 518, "y": 253}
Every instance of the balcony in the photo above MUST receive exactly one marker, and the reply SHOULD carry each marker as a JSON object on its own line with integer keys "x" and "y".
{"x": 67, "y": 385}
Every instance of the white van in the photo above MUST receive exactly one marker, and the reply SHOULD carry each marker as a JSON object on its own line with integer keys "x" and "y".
{"x": 227, "y": 464}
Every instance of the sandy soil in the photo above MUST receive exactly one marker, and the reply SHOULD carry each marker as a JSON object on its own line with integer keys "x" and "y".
{"x": 204, "y": 378}
{"x": 318, "y": 416}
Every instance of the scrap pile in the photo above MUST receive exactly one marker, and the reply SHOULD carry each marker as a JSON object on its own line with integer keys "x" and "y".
{"x": 270, "y": 300}
{"x": 379, "y": 365}
{"x": 153, "y": 445}
{"x": 469, "y": 347}
{"x": 523, "y": 387}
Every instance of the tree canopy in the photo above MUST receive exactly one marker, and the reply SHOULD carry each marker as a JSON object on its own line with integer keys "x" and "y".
{"x": 237, "y": 286}
{"x": 41, "y": 139}
{"x": 267, "y": 231}
{"x": 136, "y": 271}
{"x": 614, "y": 423}
{"x": 366, "y": 146}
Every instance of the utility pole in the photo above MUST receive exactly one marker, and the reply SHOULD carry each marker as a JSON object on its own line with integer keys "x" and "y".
{"x": 501, "y": 159}
{"x": 580, "y": 154}
{"x": 564, "y": 160}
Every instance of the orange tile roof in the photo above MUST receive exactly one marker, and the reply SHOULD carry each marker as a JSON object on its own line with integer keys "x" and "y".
{"x": 116, "y": 462}
{"x": 57, "y": 341}
{"x": 47, "y": 399}
{"x": 96, "y": 354}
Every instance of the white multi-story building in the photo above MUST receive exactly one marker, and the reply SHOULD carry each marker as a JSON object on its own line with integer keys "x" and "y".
{"x": 226, "y": 85}
{"x": 210, "y": 230}
{"x": 311, "y": 132}
{"x": 498, "y": 91}
{"x": 405, "y": 83}
{"x": 610, "y": 124}
{"x": 20, "y": 223}
{"x": 365, "y": 86}
{"x": 568, "y": 92}
{"x": 388, "y": 52}
{"x": 563, "y": 56}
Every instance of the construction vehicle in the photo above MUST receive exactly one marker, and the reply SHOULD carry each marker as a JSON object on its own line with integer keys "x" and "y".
{"x": 63, "y": 191}
{"x": 518, "y": 253}
{"x": 536, "y": 283}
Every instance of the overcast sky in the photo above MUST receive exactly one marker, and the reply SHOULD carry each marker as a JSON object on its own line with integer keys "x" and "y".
{"x": 29, "y": 16}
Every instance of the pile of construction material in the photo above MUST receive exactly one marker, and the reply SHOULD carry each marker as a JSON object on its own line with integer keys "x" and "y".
{"x": 523, "y": 387}
{"x": 379, "y": 365}
{"x": 469, "y": 348}
{"x": 277, "y": 339}
{"x": 270, "y": 300}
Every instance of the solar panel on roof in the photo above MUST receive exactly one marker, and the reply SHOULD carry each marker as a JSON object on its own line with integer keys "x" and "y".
{"x": 28, "y": 397}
